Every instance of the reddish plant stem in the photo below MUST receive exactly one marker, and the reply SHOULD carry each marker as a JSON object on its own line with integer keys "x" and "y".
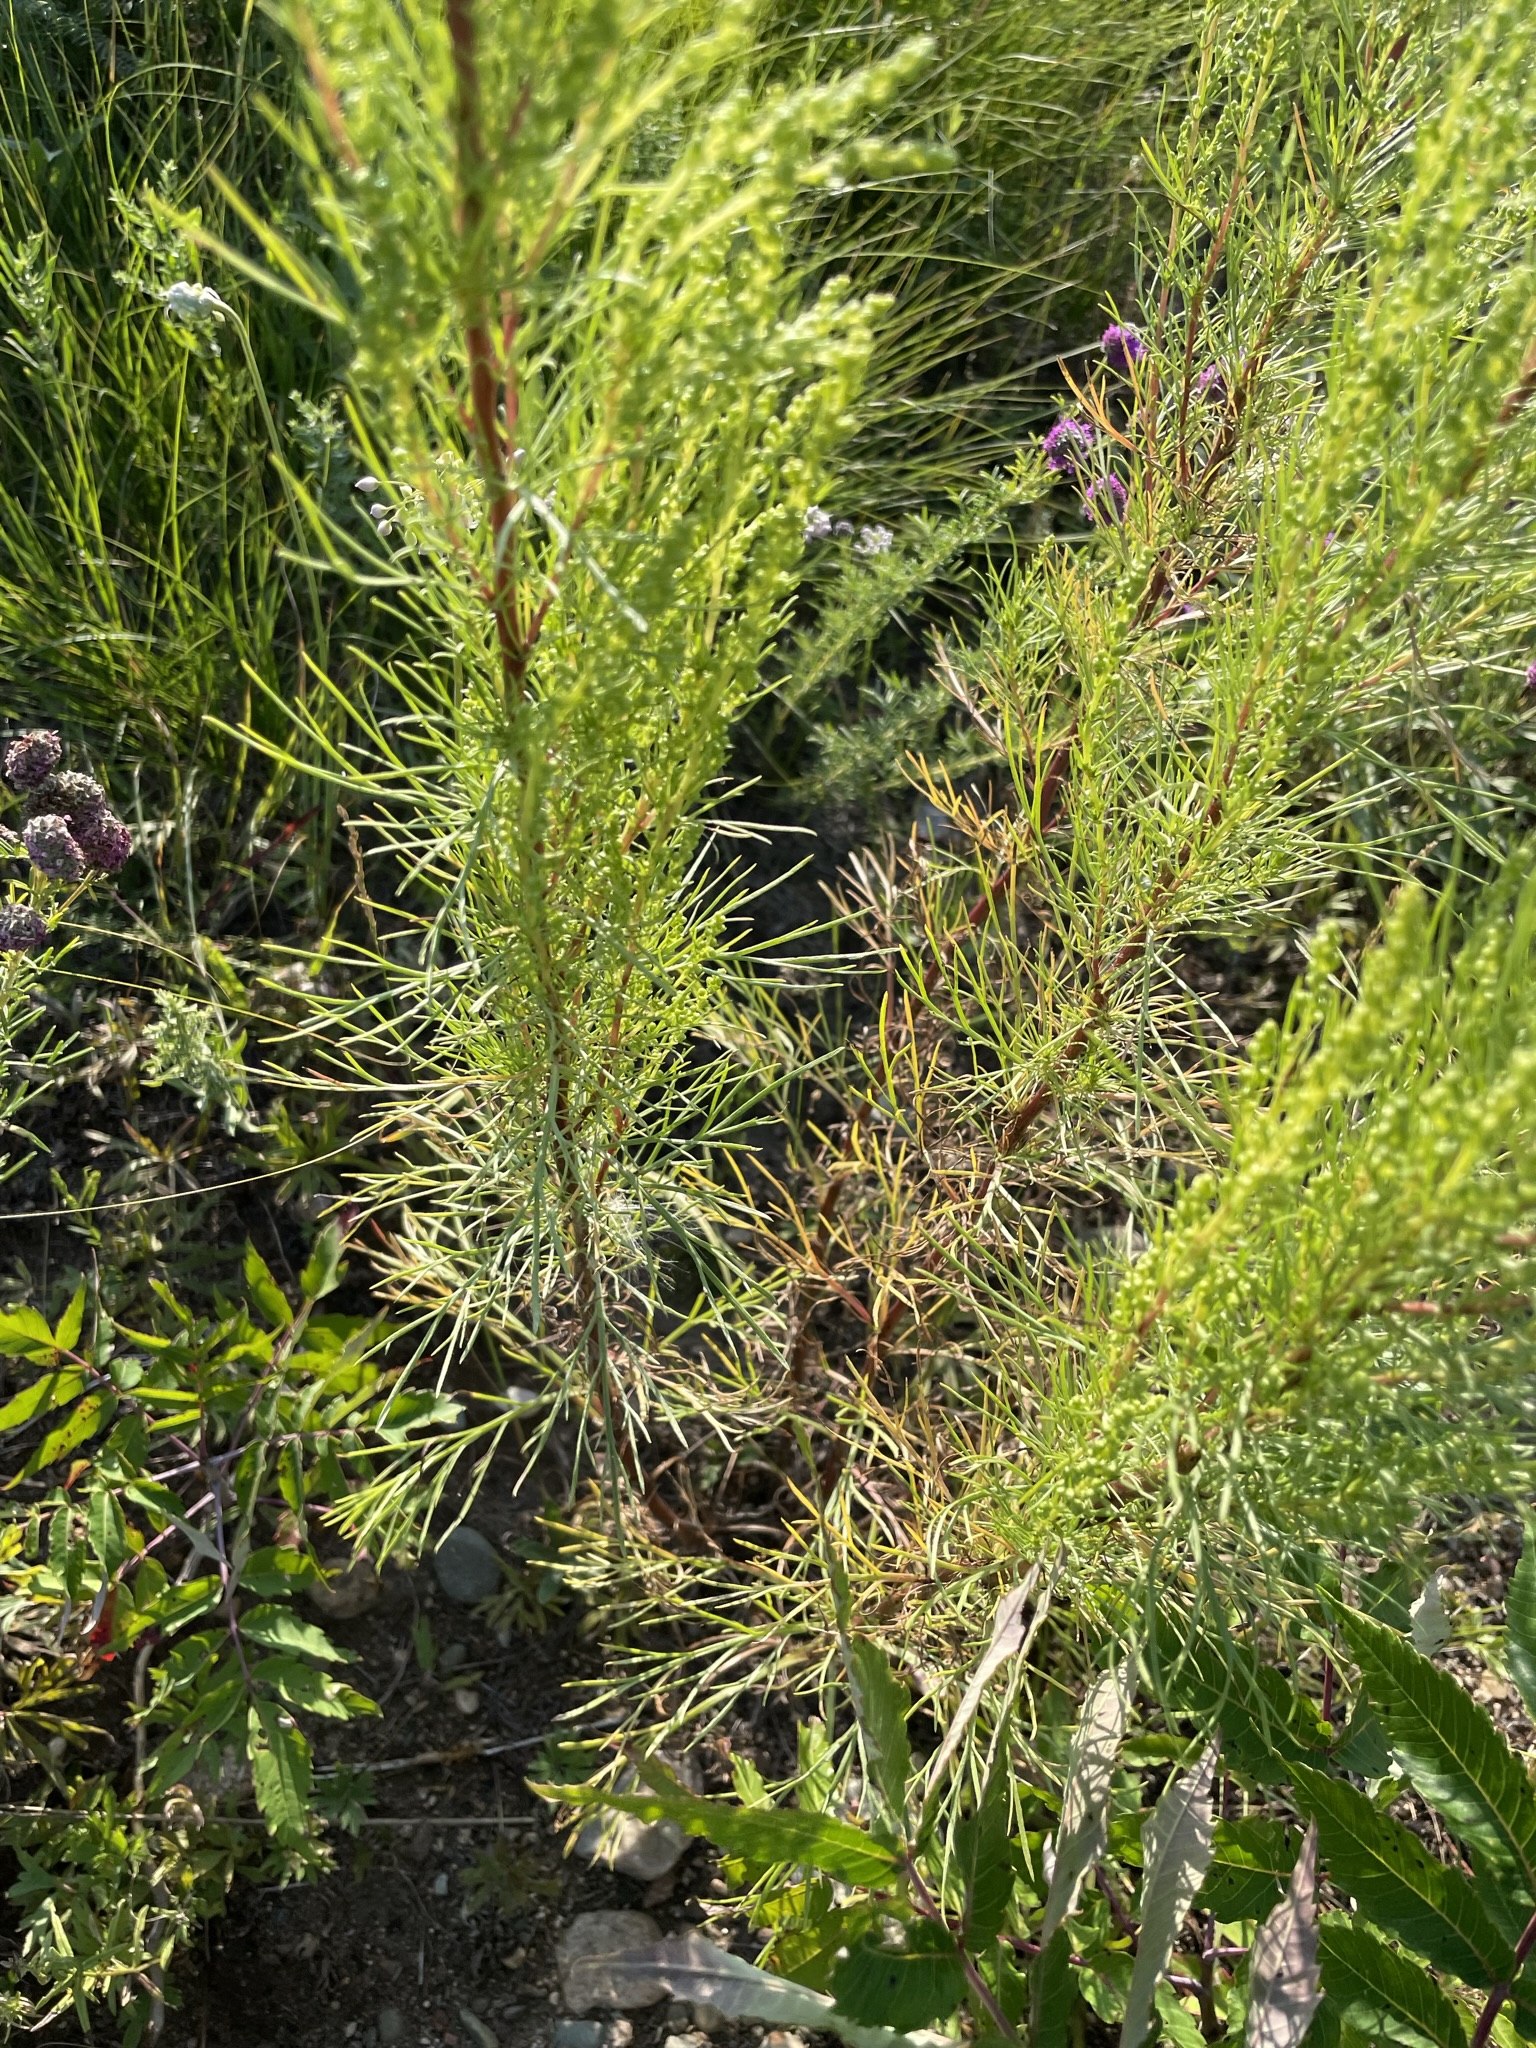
{"x": 479, "y": 339}
{"x": 1500, "y": 1992}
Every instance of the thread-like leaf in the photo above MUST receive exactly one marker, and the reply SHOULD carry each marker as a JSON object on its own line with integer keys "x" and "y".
{"x": 1178, "y": 1840}
{"x": 1284, "y": 1984}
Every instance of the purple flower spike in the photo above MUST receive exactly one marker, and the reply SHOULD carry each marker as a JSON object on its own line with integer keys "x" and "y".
{"x": 22, "y": 929}
{"x": 105, "y": 841}
{"x": 1122, "y": 346}
{"x": 1212, "y": 384}
{"x": 30, "y": 760}
{"x": 55, "y": 853}
{"x": 1105, "y": 499}
{"x": 1530, "y": 679}
{"x": 1067, "y": 445}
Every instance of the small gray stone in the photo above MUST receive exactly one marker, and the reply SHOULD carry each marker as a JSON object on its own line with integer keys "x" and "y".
{"x": 482, "y": 2035}
{"x": 592, "y": 1960}
{"x": 466, "y": 1699}
{"x": 618, "y": 2034}
{"x": 467, "y": 1567}
{"x": 578, "y": 2034}
{"x": 454, "y": 1656}
{"x": 677, "y": 2014}
{"x": 391, "y": 2025}
{"x": 440, "y": 1885}
{"x": 707, "y": 2019}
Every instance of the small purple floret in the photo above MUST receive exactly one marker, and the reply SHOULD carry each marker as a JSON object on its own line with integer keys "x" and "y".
{"x": 1211, "y": 384}
{"x": 1067, "y": 446}
{"x": 22, "y": 929}
{"x": 55, "y": 852}
{"x": 30, "y": 760}
{"x": 1530, "y": 679}
{"x": 1122, "y": 346}
{"x": 1105, "y": 499}
{"x": 105, "y": 841}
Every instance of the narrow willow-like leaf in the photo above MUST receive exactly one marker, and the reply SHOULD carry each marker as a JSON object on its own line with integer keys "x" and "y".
{"x": 881, "y": 1704}
{"x": 688, "y": 1966}
{"x": 1178, "y": 1840}
{"x": 1090, "y": 1766}
{"x": 765, "y": 1835}
{"x": 1009, "y": 1636}
{"x": 1284, "y": 1984}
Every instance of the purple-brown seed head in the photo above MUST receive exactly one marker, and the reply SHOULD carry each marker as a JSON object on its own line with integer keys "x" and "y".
{"x": 31, "y": 759}
{"x": 1122, "y": 346}
{"x": 1067, "y": 446}
{"x": 105, "y": 841}
{"x": 55, "y": 852}
{"x": 70, "y": 795}
{"x": 22, "y": 929}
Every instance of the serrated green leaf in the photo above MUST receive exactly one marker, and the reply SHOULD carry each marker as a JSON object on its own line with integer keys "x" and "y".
{"x": 901, "y": 1988}
{"x": 1251, "y": 1862}
{"x": 280, "y": 1769}
{"x": 263, "y": 1291}
{"x": 1520, "y": 1610}
{"x": 1450, "y": 1749}
{"x": 66, "y": 1333}
{"x": 810, "y": 1954}
{"x": 763, "y": 1836}
{"x": 1385, "y": 1995}
{"x": 1177, "y": 1841}
{"x": 1399, "y": 1886}
{"x": 881, "y": 1704}
{"x": 51, "y": 1391}
{"x": 279, "y": 1628}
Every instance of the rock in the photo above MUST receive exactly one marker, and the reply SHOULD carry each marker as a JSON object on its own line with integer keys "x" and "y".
{"x": 784, "y": 2037}
{"x": 455, "y": 1656}
{"x": 707, "y": 2019}
{"x": 466, "y": 1566}
{"x": 466, "y": 1699}
{"x": 677, "y": 2014}
{"x": 390, "y": 2025}
{"x": 587, "y": 1958}
{"x": 618, "y": 2034}
{"x": 346, "y": 1594}
{"x": 578, "y": 2034}
{"x": 482, "y": 2035}
{"x": 646, "y": 1849}
{"x": 440, "y": 1885}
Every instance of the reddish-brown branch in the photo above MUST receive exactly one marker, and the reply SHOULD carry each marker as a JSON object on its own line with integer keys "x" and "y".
{"x": 479, "y": 342}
